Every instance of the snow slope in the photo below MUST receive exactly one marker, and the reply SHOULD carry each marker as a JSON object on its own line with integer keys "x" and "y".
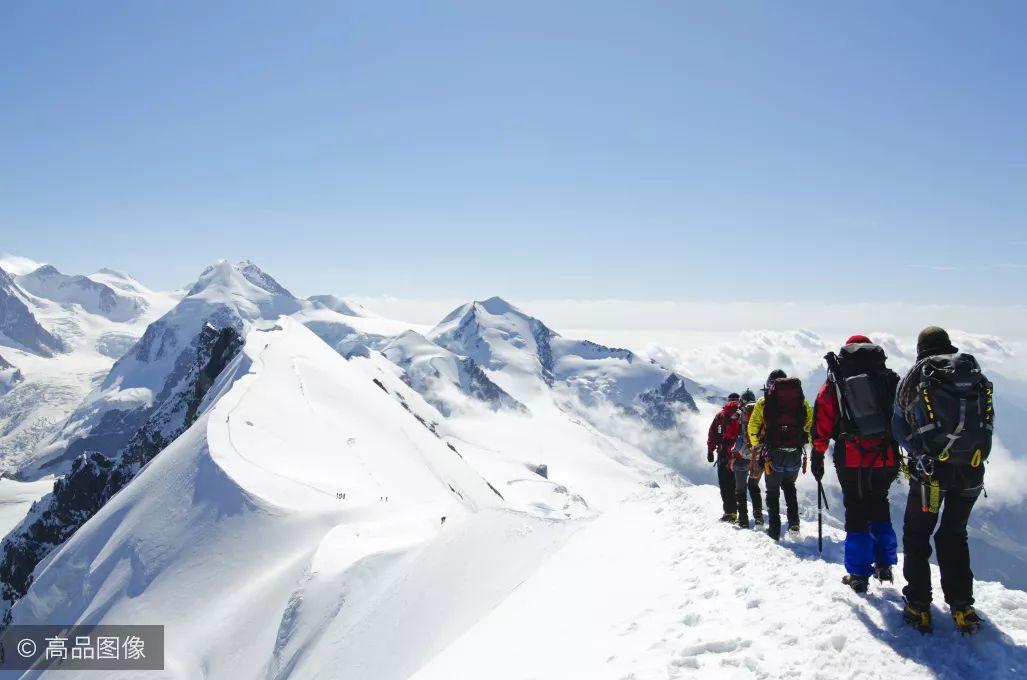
{"x": 243, "y": 518}
{"x": 656, "y": 588}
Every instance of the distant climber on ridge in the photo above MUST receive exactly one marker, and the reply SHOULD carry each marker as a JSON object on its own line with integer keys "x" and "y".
{"x": 779, "y": 429}
{"x": 721, "y": 439}
{"x": 854, "y": 409}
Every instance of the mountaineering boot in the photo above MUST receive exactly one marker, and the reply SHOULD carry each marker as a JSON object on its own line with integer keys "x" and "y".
{"x": 967, "y": 621}
{"x": 757, "y": 521}
{"x": 774, "y": 534}
{"x": 919, "y": 616}
{"x": 729, "y": 517}
{"x": 793, "y": 528}
{"x": 883, "y": 574}
{"x": 743, "y": 520}
{"x": 858, "y": 583}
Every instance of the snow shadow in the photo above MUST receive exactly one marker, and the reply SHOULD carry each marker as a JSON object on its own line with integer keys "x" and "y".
{"x": 946, "y": 653}
{"x": 805, "y": 548}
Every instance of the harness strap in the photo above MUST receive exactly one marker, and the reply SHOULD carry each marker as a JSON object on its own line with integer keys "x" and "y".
{"x": 956, "y": 433}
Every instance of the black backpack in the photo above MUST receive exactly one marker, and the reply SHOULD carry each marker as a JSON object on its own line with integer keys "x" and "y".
{"x": 784, "y": 414}
{"x": 865, "y": 388}
{"x": 947, "y": 401}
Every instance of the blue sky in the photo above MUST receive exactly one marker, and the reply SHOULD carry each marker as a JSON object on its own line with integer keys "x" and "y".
{"x": 679, "y": 150}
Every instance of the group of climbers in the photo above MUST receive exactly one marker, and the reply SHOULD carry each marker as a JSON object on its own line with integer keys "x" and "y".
{"x": 756, "y": 437}
{"x": 941, "y": 414}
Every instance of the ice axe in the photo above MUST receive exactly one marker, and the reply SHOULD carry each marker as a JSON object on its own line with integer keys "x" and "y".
{"x": 821, "y": 504}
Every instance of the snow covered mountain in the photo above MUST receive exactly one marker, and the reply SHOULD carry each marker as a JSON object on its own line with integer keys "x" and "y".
{"x": 525, "y": 357}
{"x": 52, "y": 384}
{"x": 150, "y": 396}
{"x": 158, "y": 367}
{"x": 18, "y": 326}
{"x": 443, "y": 378}
{"x": 300, "y": 495}
{"x": 93, "y": 296}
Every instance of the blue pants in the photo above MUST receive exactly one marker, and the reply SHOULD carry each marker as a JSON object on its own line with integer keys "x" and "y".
{"x": 869, "y": 537}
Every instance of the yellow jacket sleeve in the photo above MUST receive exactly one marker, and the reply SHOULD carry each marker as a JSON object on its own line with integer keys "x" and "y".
{"x": 755, "y": 429}
{"x": 809, "y": 422}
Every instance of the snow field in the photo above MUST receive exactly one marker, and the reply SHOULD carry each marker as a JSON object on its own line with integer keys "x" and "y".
{"x": 658, "y": 588}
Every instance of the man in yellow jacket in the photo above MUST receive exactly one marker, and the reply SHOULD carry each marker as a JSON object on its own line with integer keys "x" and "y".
{"x": 779, "y": 428}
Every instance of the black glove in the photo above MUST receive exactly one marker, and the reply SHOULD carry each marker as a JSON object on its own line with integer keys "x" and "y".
{"x": 709, "y": 456}
{"x": 817, "y": 466}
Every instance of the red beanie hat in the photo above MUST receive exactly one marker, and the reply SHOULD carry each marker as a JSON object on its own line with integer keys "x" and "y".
{"x": 857, "y": 338}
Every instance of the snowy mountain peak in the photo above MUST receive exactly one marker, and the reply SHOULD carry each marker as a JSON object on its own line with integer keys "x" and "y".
{"x": 46, "y": 270}
{"x": 240, "y": 278}
{"x": 498, "y": 336}
{"x": 497, "y": 305}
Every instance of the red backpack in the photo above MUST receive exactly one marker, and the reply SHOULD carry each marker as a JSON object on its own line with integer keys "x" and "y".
{"x": 731, "y": 425}
{"x": 784, "y": 414}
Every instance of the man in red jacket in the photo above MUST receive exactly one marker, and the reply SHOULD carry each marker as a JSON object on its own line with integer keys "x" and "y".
{"x": 852, "y": 409}
{"x": 723, "y": 433}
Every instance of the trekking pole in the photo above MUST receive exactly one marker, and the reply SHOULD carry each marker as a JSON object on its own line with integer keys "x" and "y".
{"x": 821, "y": 504}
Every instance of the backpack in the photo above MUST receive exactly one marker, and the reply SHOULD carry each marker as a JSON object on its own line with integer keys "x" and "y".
{"x": 732, "y": 424}
{"x": 742, "y": 443}
{"x": 784, "y": 414}
{"x": 947, "y": 401}
{"x": 865, "y": 389}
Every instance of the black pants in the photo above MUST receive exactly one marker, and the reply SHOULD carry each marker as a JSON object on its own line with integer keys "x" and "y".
{"x": 742, "y": 483}
{"x": 959, "y": 489}
{"x": 726, "y": 480}
{"x": 776, "y": 481}
{"x": 865, "y": 494}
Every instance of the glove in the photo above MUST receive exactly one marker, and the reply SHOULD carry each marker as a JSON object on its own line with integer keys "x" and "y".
{"x": 817, "y": 466}
{"x": 709, "y": 456}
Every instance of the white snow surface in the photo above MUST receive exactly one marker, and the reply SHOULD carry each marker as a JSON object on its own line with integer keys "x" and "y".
{"x": 656, "y": 588}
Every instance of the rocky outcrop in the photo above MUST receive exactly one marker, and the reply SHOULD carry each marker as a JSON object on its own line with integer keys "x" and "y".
{"x": 659, "y": 407}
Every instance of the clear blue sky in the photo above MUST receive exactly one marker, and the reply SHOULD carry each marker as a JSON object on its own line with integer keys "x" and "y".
{"x": 678, "y": 150}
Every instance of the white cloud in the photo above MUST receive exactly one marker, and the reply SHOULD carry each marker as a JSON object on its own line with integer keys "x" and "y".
{"x": 17, "y": 265}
